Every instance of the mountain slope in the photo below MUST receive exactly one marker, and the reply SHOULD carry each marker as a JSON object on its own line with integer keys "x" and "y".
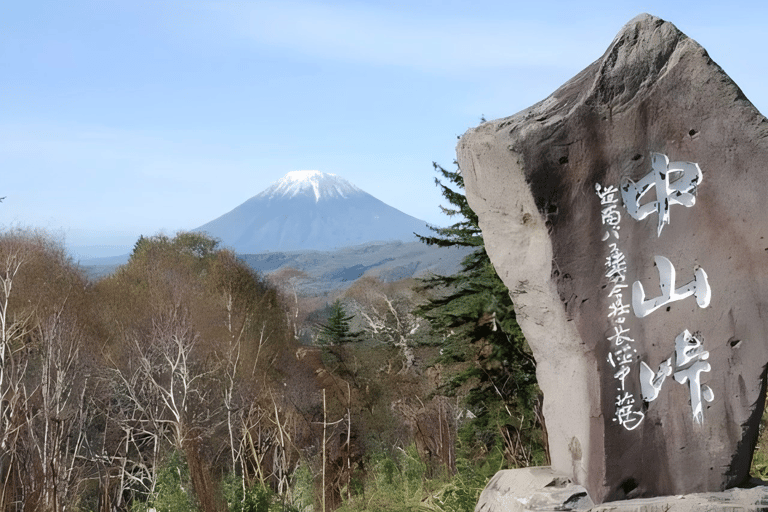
{"x": 311, "y": 210}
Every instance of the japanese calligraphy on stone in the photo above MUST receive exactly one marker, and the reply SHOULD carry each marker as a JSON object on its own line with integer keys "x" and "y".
{"x": 689, "y": 361}
{"x": 674, "y": 183}
{"x": 699, "y": 288}
{"x": 622, "y": 353}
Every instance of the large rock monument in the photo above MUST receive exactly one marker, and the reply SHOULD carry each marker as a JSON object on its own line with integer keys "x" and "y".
{"x": 627, "y": 215}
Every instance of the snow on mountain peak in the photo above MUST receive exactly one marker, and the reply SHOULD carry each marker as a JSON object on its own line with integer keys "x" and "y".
{"x": 303, "y": 175}
{"x": 321, "y": 184}
{"x": 310, "y": 210}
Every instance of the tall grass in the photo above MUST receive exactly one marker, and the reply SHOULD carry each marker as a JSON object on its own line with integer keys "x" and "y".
{"x": 396, "y": 482}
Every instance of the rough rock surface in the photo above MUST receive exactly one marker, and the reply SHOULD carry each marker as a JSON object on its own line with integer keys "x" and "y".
{"x": 626, "y": 214}
{"x": 536, "y": 488}
{"x": 541, "y": 489}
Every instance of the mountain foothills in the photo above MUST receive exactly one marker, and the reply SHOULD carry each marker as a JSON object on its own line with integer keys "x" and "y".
{"x": 311, "y": 210}
{"x": 325, "y": 271}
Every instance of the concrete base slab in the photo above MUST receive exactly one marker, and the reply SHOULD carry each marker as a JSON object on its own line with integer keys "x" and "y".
{"x": 540, "y": 489}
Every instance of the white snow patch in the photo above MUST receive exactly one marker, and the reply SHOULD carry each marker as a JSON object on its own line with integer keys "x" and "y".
{"x": 303, "y": 175}
{"x": 322, "y": 185}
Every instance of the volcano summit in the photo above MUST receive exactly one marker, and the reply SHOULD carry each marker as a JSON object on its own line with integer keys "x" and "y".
{"x": 311, "y": 210}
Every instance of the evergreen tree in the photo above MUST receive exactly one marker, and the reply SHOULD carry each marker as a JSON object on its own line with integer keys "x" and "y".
{"x": 334, "y": 336}
{"x": 483, "y": 348}
{"x": 337, "y": 329}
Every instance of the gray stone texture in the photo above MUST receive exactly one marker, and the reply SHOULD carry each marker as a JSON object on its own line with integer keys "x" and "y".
{"x": 537, "y": 488}
{"x": 541, "y": 489}
{"x": 531, "y": 179}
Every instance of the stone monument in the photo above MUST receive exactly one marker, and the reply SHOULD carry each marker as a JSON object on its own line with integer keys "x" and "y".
{"x": 627, "y": 215}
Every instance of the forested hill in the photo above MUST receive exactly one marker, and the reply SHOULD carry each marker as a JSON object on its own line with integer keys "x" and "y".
{"x": 335, "y": 270}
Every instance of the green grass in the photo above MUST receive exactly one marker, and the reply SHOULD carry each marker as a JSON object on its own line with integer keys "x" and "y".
{"x": 759, "y": 467}
{"x": 396, "y": 483}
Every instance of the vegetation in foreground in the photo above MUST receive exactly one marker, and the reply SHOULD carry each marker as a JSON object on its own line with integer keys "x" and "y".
{"x": 185, "y": 381}
{"x": 178, "y": 384}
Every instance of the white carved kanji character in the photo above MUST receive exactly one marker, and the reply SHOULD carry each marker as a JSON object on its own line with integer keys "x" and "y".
{"x": 617, "y": 289}
{"x": 622, "y": 375}
{"x": 611, "y": 215}
{"x": 675, "y": 183}
{"x": 628, "y": 418}
{"x": 699, "y": 288}
{"x": 607, "y": 195}
{"x": 617, "y": 265}
{"x": 618, "y": 337}
{"x": 618, "y": 308}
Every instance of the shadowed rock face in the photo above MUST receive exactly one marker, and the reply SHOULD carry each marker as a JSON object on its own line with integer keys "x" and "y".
{"x": 626, "y": 214}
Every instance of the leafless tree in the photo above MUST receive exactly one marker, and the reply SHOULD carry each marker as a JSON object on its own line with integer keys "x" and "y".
{"x": 56, "y": 414}
{"x": 168, "y": 402}
{"x": 14, "y": 326}
{"x": 387, "y": 315}
{"x": 43, "y": 378}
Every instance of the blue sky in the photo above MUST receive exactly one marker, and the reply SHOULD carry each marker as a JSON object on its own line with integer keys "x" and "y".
{"x": 120, "y": 118}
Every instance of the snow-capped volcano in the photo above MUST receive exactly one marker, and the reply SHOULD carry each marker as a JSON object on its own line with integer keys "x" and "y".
{"x": 322, "y": 185}
{"x": 311, "y": 210}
